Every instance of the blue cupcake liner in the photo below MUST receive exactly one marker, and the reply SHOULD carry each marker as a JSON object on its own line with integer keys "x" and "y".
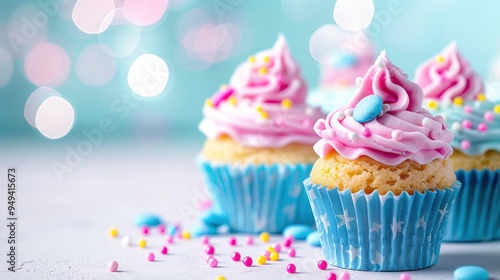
{"x": 476, "y": 214}
{"x": 380, "y": 232}
{"x": 257, "y": 198}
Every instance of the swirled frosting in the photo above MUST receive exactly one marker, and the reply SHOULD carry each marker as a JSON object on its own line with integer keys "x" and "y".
{"x": 476, "y": 125}
{"x": 448, "y": 76}
{"x": 264, "y": 103}
{"x": 391, "y": 133}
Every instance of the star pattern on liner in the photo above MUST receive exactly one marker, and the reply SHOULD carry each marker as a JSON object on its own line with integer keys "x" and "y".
{"x": 311, "y": 194}
{"x": 290, "y": 210}
{"x": 422, "y": 223}
{"x": 326, "y": 222}
{"x": 378, "y": 259}
{"x": 396, "y": 227}
{"x": 429, "y": 238}
{"x": 354, "y": 252}
{"x": 376, "y": 227}
{"x": 443, "y": 213}
{"x": 345, "y": 220}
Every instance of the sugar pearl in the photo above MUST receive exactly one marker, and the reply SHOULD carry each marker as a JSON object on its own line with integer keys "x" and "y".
{"x": 210, "y": 250}
{"x": 142, "y": 243}
{"x": 235, "y": 256}
{"x": 287, "y": 242}
{"x": 113, "y": 232}
{"x": 274, "y": 256}
{"x": 353, "y": 136}
{"x": 212, "y": 262}
{"x": 465, "y": 144}
{"x": 322, "y": 264}
{"x": 145, "y": 230}
{"x": 468, "y": 109}
{"x": 267, "y": 254}
{"x": 205, "y": 239}
{"x": 291, "y": 268}
{"x": 397, "y": 135}
{"x": 467, "y": 124}
{"x": 261, "y": 260}
{"x": 345, "y": 276}
{"x": 426, "y": 122}
{"x": 292, "y": 252}
{"x": 232, "y": 241}
{"x": 150, "y": 257}
{"x": 348, "y": 112}
{"x": 331, "y": 276}
{"x": 264, "y": 237}
{"x": 249, "y": 240}
{"x": 489, "y": 116}
{"x": 164, "y": 250}
{"x": 113, "y": 266}
{"x": 161, "y": 229}
{"x": 456, "y": 126}
{"x": 339, "y": 115}
{"x": 247, "y": 261}
{"x": 277, "y": 247}
{"x": 404, "y": 276}
{"x": 482, "y": 127}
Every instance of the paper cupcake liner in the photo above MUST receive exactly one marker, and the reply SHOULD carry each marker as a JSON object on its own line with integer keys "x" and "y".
{"x": 257, "y": 198}
{"x": 380, "y": 232}
{"x": 476, "y": 214}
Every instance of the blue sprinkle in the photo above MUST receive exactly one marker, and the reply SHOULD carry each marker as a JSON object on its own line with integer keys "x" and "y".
{"x": 367, "y": 108}
{"x": 470, "y": 272}
{"x": 148, "y": 220}
{"x": 212, "y": 219}
{"x": 313, "y": 239}
{"x": 298, "y": 231}
{"x": 203, "y": 230}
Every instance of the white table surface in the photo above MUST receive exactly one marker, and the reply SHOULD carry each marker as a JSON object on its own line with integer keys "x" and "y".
{"x": 62, "y": 226}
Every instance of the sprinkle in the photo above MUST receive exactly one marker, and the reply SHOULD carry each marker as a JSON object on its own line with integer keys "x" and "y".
{"x": 232, "y": 241}
{"x": 232, "y": 100}
{"x": 481, "y": 97}
{"x": 287, "y": 242}
{"x": 113, "y": 266}
{"x": 404, "y": 276}
{"x": 186, "y": 234}
{"x": 482, "y": 127}
{"x": 142, "y": 243}
{"x": 266, "y": 59}
{"x": 292, "y": 252}
{"x": 309, "y": 111}
{"x": 440, "y": 59}
{"x": 358, "y": 81}
{"x": 205, "y": 239}
{"x": 251, "y": 59}
{"x": 126, "y": 240}
{"x": 267, "y": 254}
{"x": 249, "y": 240}
{"x": 261, "y": 260}
{"x": 164, "y": 250}
{"x": 331, "y": 276}
{"x": 339, "y": 115}
{"x": 113, "y": 232}
{"x": 209, "y": 249}
{"x": 271, "y": 249}
{"x": 467, "y": 124}
{"x": 489, "y": 116}
{"x": 397, "y": 135}
{"x": 348, "y": 112}
{"x": 286, "y": 103}
{"x": 345, "y": 276}
{"x": 496, "y": 109}
{"x": 319, "y": 125}
{"x": 353, "y": 136}
{"x": 468, "y": 109}
{"x": 459, "y": 101}
{"x": 220, "y": 277}
{"x": 264, "y": 115}
{"x": 366, "y": 132}
{"x": 263, "y": 70}
{"x": 386, "y": 107}
{"x": 170, "y": 239}
{"x": 426, "y": 122}
{"x": 322, "y": 264}
{"x": 274, "y": 256}
{"x": 247, "y": 261}
{"x": 456, "y": 126}
{"x": 235, "y": 256}
{"x": 259, "y": 109}
{"x": 264, "y": 237}
{"x": 209, "y": 103}
{"x": 212, "y": 262}
{"x": 465, "y": 144}
{"x": 277, "y": 247}
{"x": 291, "y": 268}
{"x": 145, "y": 230}
{"x": 150, "y": 257}
{"x": 433, "y": 105}
{"x": 161, "y": 229}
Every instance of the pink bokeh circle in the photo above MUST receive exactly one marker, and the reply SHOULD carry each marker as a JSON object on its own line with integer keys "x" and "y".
{"x": 144, "y": 12}
{"x": 47, "y": 64}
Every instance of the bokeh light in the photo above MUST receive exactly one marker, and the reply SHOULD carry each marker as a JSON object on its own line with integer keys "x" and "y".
{"x": 326, "y": 42}
{"x": 55, "y": 117}
{"x": 179, "y": 4}
{"x": 93, "y": 16}
{"x": 6, "y": 67}
{"x": 148, "y": 75}
{"x": 120, "y": 40}
{"x": 35, "y": 100}
{"x": 353, "y": 15}
{"x": 144, "y": 12}
{"x": 301, "y": 10}
{"x": 27, "y": 27}
{"x": 47, "y": 64}
{"x": 95, "y": 67}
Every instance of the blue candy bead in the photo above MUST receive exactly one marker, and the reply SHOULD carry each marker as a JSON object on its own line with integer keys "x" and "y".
{"x": 298, "y": 231}
{"x": 313, "y": 239}
{"x": 148, "y": 220}
{"x": 213, "y": 219}
{"x": 367, "y": 108}
{"x": 470, "y": 272}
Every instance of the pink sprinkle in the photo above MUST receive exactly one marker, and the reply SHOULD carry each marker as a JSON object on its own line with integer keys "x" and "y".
{"x": 222, "y": 95}
{"x": 150, "y": 257}
{"x": 232, "y": 241}
{"x": 291, "y": 268}
{"x": 212, "y": 262}
{"x": 468, "y": 109}
{"x": 247, "y": 261}
{"x": 205, "y": 239}
{"x": 482, "y": 127}
{"x": 170, "y": 239}
{"x": 331, "y": 276}
{"x": 467, "y": 124}
{"x": 267, "y": 254}
{"x": 404, "y": 276}
{"x": 145, "y": 230}
{"x": 209, "y": 249}
{"x": 277, "y": 247}
{"x": 287, "y": 242}
{"x": 345, "y": 276}
{"x": 164, "y": 250}
{"x": 322, "y": 264}
{"x": 207, "y": 257}
{"x": 235, "y": 256}
{"x": 249, "y": 240}
{"x": 465, "y": 144}
{"x": 161, "y": 229}
{"x": 366, "y": 132}
{"x": 319, "y": 126}
{"x": 113, "y": 266}
{"x": 489, "y": 116}
{"x": 292, "y": 253}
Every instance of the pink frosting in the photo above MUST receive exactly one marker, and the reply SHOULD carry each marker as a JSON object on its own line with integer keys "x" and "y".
{"x": 402, "y": 131}
{"x": 267, "y": 108}
{"x": 448, "y": 76}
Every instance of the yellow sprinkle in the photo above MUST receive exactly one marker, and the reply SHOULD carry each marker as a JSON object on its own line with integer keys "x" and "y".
{"x": 220, "y": 277}
{"x": 266, "y": 59}
{"x": 286, "y": 103}
{"x": 261, "y": 260}
{"x": 274, "y": 256}
{"x": 264, "y": 115}
{"x": 496, "y": 109}
{"x": 209, "y": 103}
{"x": 264, "y": 237}
{"x": 459, "y": 101}
{"x": 113, "y": 232}
{"x": 433, "y": 104}
{"x": 481, "y": 97}
{"x": 440, "y": 59}
{"x": 142, "y": 243}
{"x": 259, "y": 109}
{"x": 251, "y": 59}
{"x": 271, "y": 249}
{"x": 232, "y": 100}
{"x": 263, "y": 70}
{"x": 186, "y": 235}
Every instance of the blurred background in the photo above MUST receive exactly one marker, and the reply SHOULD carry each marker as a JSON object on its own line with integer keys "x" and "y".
{"x": 88, "y": 57}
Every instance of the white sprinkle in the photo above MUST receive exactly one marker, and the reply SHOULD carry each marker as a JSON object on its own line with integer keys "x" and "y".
{"x": 397, "y": 135}
{"x": 358, "y": 81}
{"x": 126, "y": 240}
{"x": 339, "y": 115}
{"x": 426, "y": 122}
{"x": 309, "y": 111}
{"x": 456, "y": 126}
{"x": 348, "y": 112}
{"x": 386, "y": 107}
{"x": 380, "y": 114}
{"x": 353, "y": 136}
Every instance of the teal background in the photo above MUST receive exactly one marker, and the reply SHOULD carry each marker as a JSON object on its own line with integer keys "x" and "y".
{"x": 419, "y": 31}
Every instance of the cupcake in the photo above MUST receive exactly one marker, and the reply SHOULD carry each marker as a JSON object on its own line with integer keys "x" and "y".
{"x": 383, "y": 186}
{"x": 338, "y": 80}
{"x": 259, "y": 144}
{"x": 456, "y": 93}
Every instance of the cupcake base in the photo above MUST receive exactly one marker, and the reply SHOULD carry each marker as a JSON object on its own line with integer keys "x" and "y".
{"x": 380, "y": 232}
